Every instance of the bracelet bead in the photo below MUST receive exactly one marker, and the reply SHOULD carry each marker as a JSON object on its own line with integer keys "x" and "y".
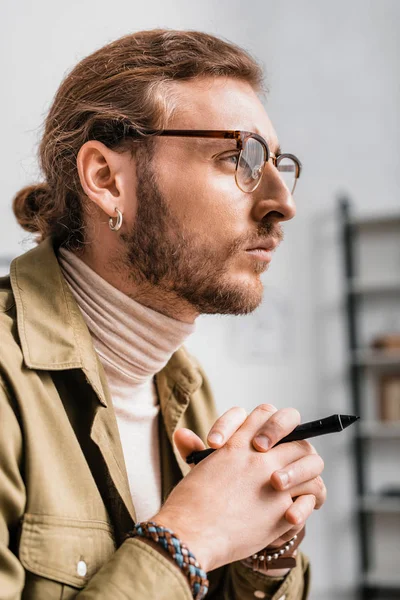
{"x": 274, "y": 554}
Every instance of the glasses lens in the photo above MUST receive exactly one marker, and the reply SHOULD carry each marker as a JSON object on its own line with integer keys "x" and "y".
{"x": 251, "y": 165}
{"x": 288, "y": 170}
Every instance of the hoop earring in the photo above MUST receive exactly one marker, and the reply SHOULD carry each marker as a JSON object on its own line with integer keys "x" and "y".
{"x": 117, "y": 225}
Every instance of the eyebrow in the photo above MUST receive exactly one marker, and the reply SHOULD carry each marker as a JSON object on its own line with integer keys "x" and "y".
{"x": 213, "y": 142}
{"x": 219, "y": 144}
{"x": 220, "y": 141}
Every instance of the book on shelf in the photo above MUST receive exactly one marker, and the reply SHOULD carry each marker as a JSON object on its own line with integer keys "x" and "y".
{"x": 389, "y": 383}
{"x": 389, "y": 397}
{"x": 387, "y": 342}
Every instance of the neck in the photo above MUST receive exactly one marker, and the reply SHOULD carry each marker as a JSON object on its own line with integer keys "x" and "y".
{"x": 163, "y": 301}
{"x": 133, "y": 341}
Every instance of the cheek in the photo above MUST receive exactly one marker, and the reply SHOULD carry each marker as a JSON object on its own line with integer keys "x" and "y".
{"x": 130, "y": 198}
{"x": 205, "y": 201}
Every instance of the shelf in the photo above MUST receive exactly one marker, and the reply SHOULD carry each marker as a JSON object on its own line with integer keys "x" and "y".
{"x": 382, "y": 580}
{"x": 357, "y": 287}
{"x": 371, "y": 358}
{"x": 358, "y": 230}
{"x": 379, "y": 504}
{"x": 376, "y": 221}
{"x": 379, "y": 429}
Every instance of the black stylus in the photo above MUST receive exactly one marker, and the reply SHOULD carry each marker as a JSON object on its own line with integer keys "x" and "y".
{"x": 301, "y": 432}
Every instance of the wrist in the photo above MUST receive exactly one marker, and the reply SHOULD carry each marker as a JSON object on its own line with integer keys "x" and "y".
{"x": 159, "y": 549}
{"x": 194, "y": 542}
{"x": 178, "y": 550}
{"x": 276, "y": 561}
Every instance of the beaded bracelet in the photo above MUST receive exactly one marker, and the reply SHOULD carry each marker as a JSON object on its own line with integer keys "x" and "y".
{"x": 277, "y": 552}
{"x": 180, "y": 553}
{"x": 269, "y": 559}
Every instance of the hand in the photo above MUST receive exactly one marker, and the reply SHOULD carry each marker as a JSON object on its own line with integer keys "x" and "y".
{"x": 303, "y": 476}
{"x": 226, "y": 508}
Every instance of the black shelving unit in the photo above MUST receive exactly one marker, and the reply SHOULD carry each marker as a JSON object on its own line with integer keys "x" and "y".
{"x": 373, "y": 584}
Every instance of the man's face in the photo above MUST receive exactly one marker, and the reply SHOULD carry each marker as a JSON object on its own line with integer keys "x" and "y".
{"x": 194, "y": 227}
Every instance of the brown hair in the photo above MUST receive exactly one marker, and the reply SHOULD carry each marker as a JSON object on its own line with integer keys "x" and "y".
{"x": 122, "y": 84}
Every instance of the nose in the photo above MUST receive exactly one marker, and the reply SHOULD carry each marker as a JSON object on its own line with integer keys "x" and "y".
{"x": 272, "y": 199}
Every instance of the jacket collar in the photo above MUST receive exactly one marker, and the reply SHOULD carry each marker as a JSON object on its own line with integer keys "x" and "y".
{"x": 51, "y": 328}
{"x": 54, "y": 335}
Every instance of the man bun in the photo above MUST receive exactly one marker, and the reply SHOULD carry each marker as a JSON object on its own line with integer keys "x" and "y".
{"x": 31, "y": 208}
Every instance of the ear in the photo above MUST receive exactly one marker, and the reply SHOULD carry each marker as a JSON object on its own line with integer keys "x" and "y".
{"x": 101, "y": 175}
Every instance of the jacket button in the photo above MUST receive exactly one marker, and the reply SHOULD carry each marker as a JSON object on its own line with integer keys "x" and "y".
{"x": 259, "y": 594}
{"x": 81, "y": 568}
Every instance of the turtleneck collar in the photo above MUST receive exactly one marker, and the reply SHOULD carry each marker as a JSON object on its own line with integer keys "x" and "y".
{"x": 132, "y": 340}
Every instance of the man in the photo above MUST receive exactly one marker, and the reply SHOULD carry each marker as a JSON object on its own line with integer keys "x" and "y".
{"x": 163, "y": 196}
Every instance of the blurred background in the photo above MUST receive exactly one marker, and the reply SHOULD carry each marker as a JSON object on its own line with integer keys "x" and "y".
{"x": 326, "y": 338}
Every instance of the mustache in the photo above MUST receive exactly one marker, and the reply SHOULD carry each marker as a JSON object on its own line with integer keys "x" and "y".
{"x": 270, "y": 230}
{"x": 265, "y": 231}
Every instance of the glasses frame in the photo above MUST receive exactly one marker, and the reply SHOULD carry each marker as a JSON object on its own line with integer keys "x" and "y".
{"x": 241, "y": 138}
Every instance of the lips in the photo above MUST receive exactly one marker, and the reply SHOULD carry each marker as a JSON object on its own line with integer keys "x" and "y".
{"x": 268, "y": 245}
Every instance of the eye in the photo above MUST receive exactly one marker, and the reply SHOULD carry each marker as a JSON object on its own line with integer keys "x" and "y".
{"x": 228, "y": 157}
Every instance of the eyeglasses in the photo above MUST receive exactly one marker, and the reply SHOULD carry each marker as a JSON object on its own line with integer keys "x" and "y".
{"x": 252, "y": 155}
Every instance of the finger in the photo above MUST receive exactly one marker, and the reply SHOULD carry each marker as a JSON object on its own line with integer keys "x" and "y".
{"x": 298, "y": 513}
{"x": 251, "y": 425}
{"x": 225, "y": 426}
{"x": 187, "y": 442}
{"x": 280, "y": 457}
{"x": 288, "y": 535}
{"x": 315, "y": 486}
{"x": 280, "y": 424}
{"x": 298, "y": 472}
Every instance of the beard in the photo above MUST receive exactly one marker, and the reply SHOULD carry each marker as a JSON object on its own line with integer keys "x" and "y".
{"x": 160, "y": 252}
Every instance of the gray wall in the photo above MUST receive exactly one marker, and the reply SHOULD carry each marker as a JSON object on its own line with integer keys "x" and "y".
{"x": 334, "y": 95}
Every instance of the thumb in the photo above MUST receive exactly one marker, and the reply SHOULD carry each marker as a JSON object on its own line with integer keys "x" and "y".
{"x": 187, "y": 442}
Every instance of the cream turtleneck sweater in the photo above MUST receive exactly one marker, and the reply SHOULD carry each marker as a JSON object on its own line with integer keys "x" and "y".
{"x": 133, "y": 343}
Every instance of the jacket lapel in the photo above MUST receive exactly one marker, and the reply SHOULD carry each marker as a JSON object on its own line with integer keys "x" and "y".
{"x": 106, "y": 435}
{"x": 176, "y": 384}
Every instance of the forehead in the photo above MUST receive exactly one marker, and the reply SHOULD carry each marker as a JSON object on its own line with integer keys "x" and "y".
{"x": 219, "y": 103}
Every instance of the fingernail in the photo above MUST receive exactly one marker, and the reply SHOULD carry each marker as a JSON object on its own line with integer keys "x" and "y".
{"x": 284, "y": 477}
{"x": 262, "y": 441}
{"x": 215, "y": 438}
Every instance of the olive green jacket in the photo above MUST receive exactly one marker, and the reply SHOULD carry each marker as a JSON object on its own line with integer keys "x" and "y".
{"x": 65, "y": 506}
